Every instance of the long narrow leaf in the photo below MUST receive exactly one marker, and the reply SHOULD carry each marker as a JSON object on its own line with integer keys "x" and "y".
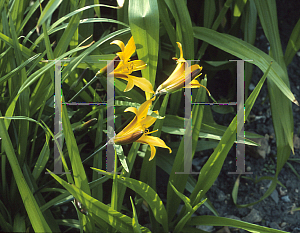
{"x": 245, "y": 51}
{"x": 147, "y": 193}
{"x": 144, "y": 23}
{"x": 48, "y": 11}
{"x": 97, "y": 209}
{"x": 221, "y": 221}
{"x": 36, "y": 217}
{"x": 293, "y": 45}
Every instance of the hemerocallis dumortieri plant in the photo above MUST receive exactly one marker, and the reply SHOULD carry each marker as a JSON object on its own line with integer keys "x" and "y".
{"x": 137, "y": 129}
{"x": 177, "y": 79}
{"x": 124, "y": 67}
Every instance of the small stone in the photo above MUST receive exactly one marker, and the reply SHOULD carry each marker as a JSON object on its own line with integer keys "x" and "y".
{"x": 286, "y": 198}
{"x": 292, "y": 208}
{"x": 64, "y": 208}
{"x": 282, "y": 191}
{"x": 221, "y": 196}
{"x": 224, "y": 230}
{"x": 274, "y": 225}
{"x": 251, "y": 87}
{"x": 205, "y": 228}
{"x": 274, "y": 196}
{"x": 253, "y": 216}
{"x": 243, "y": 211}
{"x": 283, "y": 224}
{"x": 296, "y": 142}
{"x": 233, "y": 217}
{"x": 264, "y": 149}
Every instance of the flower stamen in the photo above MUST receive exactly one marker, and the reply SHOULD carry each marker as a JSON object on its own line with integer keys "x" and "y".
{"x": 147, "y": 132}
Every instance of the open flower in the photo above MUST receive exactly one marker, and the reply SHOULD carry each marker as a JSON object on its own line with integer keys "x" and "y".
{"x": 137, "y": 129}
{"x": 178, "y": 77}
{"x": 125, "y": 67}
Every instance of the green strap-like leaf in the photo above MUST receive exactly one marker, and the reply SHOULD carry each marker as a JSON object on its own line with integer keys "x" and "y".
{"x": 135, "y": 221}
{"x": 144, "y": 24}
{"x": 221, "y": 221}
{"x": 99, "y": 211}
{"x": 147, "y": 193}
{"x": 36, "y": 217}
{"x": 293, "y": 45}
{"x": 245, "y": 51}
{"x": 48, "y": 11}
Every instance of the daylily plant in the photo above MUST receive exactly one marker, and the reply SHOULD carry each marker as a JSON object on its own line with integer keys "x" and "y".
{"x": 177, "y": 79}
{"x": 125, "y": 67}
{"x": 137, "y": 129}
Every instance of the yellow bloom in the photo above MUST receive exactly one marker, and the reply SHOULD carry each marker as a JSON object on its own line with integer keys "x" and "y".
{"x": 178, "y": 77}
{"x": 125, "y": 67}
{"x": 137, "y": 129}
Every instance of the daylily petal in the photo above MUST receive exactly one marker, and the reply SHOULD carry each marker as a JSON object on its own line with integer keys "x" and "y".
{"x": 176, "y": 74}
{"x": 124, "y": 67}
{"x": 153, "y": 152}
{"x": 193, "y": 84}
{"x": 129, "y": 49}
{"x": 143, "y": 109}
{"x": 148, "y": 121}
{"x": 119, "y": 43}
{"x": 142, "y": 83}
{"x": 141, "y": 116}
{"x": 129, "y": 128}
{"x": 130, "y": 84}
{"x": 138, "y": 65}
{"x": 131, "y": 109}
{"x": 177, "y": 79}
{"x": 153, "y": 141}
{"x": 181, "y": 59}
{"x": 137, "y": 129}
{"x": 129, "y": 67}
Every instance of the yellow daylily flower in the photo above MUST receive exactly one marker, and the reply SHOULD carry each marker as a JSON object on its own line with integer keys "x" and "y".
{"x": 125, "y": 67}
{"x": 137, "y": 129}
{"x": 177, "y": 79}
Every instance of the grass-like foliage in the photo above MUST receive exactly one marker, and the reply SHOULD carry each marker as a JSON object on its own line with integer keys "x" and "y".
{"x": 43, "y": 169}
